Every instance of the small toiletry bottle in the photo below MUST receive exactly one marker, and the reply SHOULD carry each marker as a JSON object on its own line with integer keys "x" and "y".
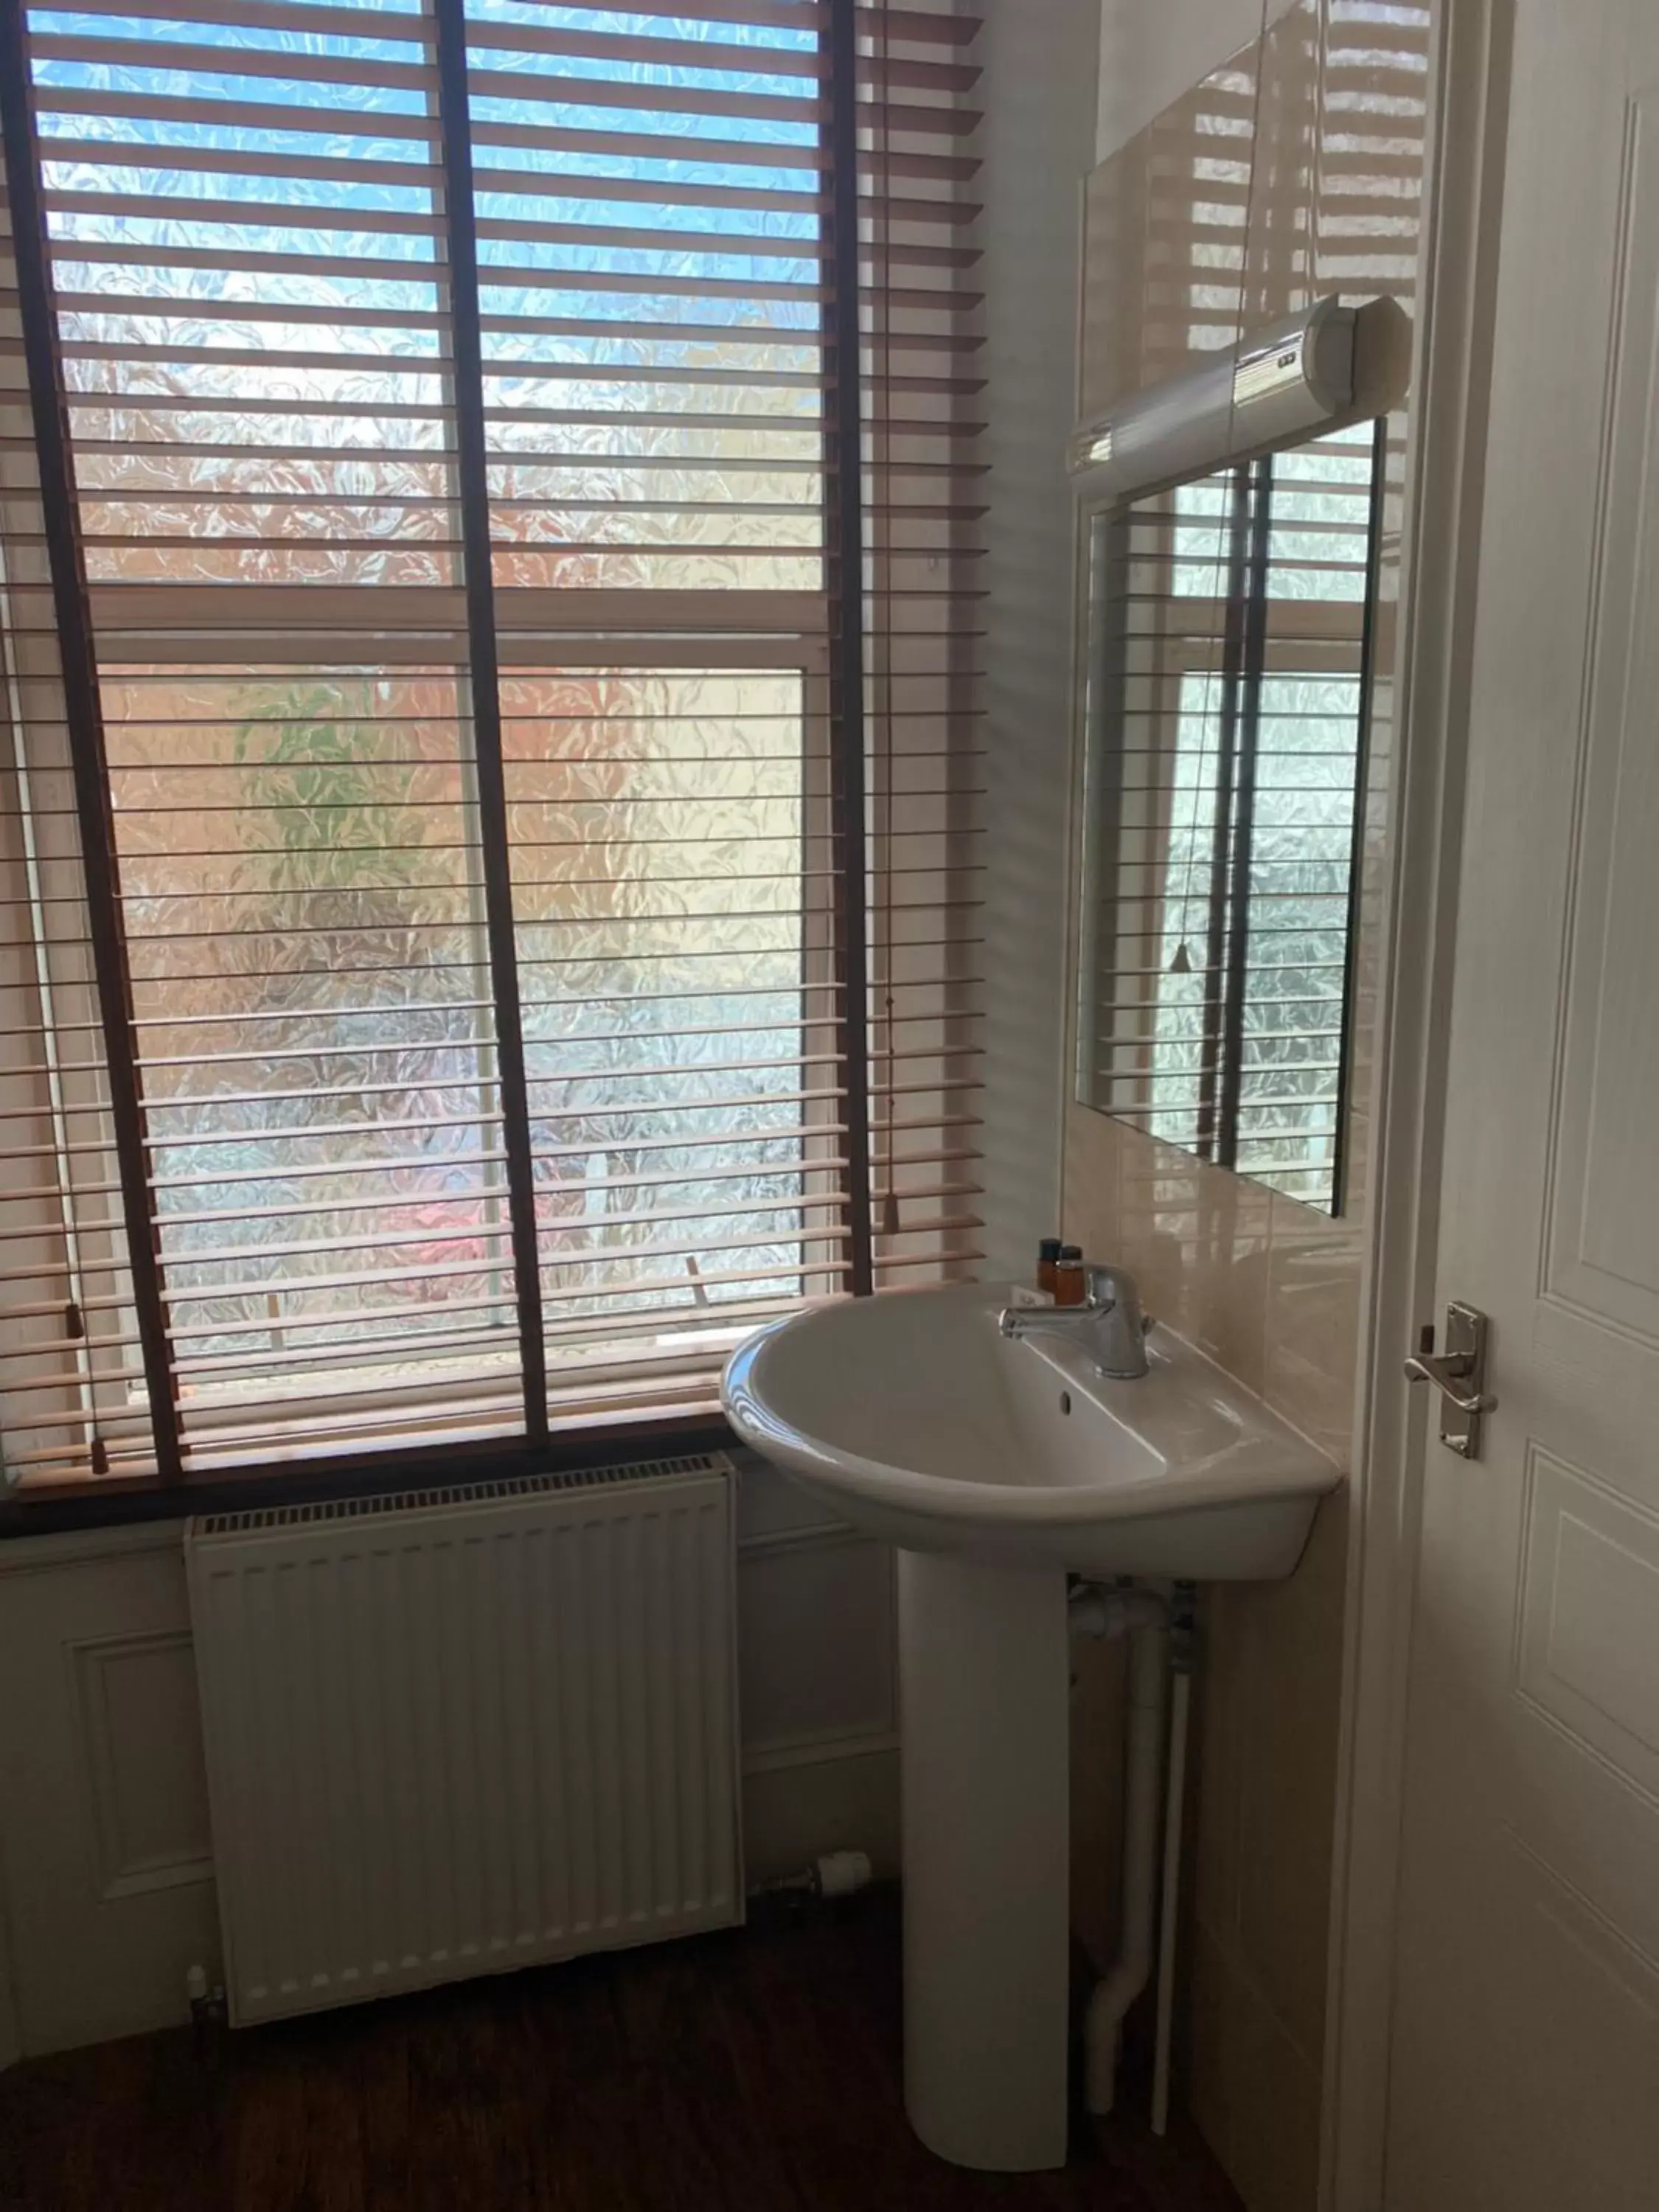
{"x": 1048, "y": 1261}
{"x": 1068, "y": 1276}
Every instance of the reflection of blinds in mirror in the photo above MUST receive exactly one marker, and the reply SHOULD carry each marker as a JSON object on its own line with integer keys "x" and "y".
{"x": 1227, "y": 768}
{"x": 1336, "y": 92}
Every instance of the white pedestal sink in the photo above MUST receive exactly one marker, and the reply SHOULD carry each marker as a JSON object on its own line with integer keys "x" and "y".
{"x": 997, "y": 1467}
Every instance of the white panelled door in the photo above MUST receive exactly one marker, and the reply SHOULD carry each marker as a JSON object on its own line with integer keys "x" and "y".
{"x": 1525, "y": 2066}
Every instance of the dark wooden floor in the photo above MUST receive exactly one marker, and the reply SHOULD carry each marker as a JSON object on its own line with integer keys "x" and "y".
{"x": 746, "y": 2073}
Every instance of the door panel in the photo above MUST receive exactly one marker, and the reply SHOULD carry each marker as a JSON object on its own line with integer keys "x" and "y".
{"x": 1588, "y": 1659}
{"x": 1526, "y": 2051}
{"x": 1567, "y": 2002}
{"x": 1604, "y": 1228}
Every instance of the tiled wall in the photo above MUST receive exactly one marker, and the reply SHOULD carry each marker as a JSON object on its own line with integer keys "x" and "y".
{"x": 1036, "y": 146}
{"x": 1290, "y": 171}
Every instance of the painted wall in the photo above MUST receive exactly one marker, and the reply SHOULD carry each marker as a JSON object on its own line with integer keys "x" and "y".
{"x": 1250, "y": 183}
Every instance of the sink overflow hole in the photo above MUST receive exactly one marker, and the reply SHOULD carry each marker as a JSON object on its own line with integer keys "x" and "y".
{"x": 1065, "y": 1401}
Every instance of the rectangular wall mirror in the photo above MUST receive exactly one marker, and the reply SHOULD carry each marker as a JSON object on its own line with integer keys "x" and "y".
{"x": 1225, "y": 698}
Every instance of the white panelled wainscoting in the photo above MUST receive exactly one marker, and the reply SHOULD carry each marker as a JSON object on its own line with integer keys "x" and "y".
{"x": 105, "y": 1843}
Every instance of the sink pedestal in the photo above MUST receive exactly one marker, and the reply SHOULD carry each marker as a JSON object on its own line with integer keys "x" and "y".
{"x": 984, "y": 1672}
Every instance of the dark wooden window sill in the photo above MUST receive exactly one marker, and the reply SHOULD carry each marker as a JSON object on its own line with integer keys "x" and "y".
{"x": 52, "y": 1509}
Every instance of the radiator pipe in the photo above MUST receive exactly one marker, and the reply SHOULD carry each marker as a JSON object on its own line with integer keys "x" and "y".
{"x": 1144, "y": 1618}
{"x": 1182, "y": 1661}
{"x": 1179, "y": 1706}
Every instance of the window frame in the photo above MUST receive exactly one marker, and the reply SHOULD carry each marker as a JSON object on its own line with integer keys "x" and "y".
{"x": 822, "y": 633}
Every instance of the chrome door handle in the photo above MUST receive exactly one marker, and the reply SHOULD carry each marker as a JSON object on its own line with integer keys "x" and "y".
{"x": 1446, "y": 1370}
{"x": 1459, "y": 1374}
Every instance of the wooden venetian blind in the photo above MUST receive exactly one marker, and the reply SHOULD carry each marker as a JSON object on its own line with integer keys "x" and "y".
{"x": 519, "y": 496}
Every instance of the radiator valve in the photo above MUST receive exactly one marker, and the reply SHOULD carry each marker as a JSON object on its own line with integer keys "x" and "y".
{"x": 838, "y": 1874}
{"x": 207, "y": 2000}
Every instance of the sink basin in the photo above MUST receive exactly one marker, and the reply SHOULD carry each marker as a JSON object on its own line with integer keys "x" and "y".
{"x": 913, "y": 1418}
{"x": 998, "y": 1467}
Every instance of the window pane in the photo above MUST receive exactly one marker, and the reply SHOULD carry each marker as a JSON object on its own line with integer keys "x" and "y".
{"x": 674, "y": 907}
{"x": 649, "y": 242}
{"x": 245, "y": 256}
{"x": 303, "y": 900}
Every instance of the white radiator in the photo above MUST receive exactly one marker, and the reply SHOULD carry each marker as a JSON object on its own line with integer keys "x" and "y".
{"x": 452, "y": 1732}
